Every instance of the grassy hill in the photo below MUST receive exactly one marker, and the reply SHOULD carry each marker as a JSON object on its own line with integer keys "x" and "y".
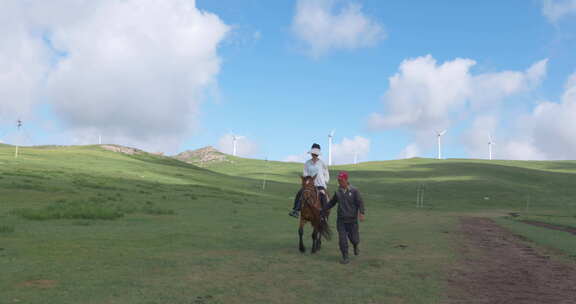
{"x": 88, "y": 225}
{"x": 453, "y": 184}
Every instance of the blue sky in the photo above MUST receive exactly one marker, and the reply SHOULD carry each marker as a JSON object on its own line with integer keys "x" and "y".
{"x": 282, "y": 77}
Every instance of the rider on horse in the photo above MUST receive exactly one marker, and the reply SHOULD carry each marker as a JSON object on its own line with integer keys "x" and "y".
{"x": 314, "y": 167}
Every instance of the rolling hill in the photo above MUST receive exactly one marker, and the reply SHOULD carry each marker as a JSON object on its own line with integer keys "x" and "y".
{"x": 84, "y": 222}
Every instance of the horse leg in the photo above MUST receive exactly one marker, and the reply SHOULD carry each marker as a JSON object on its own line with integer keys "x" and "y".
{"x": 315, "y": 241}
{"x": 300, "y": 233}
{"x": 313, "y": 236}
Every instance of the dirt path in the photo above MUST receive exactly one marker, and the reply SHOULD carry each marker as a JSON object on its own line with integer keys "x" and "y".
{"x": 551, "y": 226}
{"x": 499, "y": 268}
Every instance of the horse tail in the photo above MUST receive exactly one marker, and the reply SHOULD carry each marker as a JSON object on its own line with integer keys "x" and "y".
{"x": 324, "y": 229}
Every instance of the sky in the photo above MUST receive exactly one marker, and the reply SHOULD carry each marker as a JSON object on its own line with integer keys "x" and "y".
{"x": 385, "y": 76}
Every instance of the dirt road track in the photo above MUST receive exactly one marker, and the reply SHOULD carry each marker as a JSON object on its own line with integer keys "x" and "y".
{"x": 499, "y": 268}
{"x": 551, "y": 226}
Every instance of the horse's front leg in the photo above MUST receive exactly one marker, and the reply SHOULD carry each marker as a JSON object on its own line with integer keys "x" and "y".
{"x": 300, "y": 233}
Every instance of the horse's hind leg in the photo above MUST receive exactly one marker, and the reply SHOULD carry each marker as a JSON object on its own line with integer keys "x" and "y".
{"x": 300, "y": 233}
{"x": 315, "y": 241}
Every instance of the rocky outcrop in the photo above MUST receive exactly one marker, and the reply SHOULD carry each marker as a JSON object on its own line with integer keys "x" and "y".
{"x": 122, "y": 149}
{"x": 202, "y": 156}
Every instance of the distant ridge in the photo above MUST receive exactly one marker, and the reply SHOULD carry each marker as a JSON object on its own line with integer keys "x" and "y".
{"x": 202, "y": 156}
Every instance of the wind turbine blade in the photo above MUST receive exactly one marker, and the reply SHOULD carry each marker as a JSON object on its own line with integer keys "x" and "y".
{"x": 443, "y": 132}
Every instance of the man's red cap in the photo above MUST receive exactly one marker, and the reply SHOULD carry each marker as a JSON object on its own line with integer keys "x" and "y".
{"x": 343, "y": 175}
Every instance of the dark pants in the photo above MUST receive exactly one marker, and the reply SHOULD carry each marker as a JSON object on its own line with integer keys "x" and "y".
{"x": 298, "y": 199}
{"x": 347, "y": 230}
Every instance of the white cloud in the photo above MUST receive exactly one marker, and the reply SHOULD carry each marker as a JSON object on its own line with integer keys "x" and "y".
{"x": 554, "y": 10}
{"x": 425, "y": 94}
{"x": 477, "y": 137}
{"x": 410, "y": 151}
{"x": 23, "y": 62}
{"x": 546, "y": 133}
{"x": 553, "y": 125}
{"x": 490, "y": 88}
{"x": 135, "y": 70}
{"x": 521, "y": 150}
{"x": 244, "y": 146}
{"x": 299, "y": 158}
{"x": 323, "y": 25}
{"x": 348, "y": 149}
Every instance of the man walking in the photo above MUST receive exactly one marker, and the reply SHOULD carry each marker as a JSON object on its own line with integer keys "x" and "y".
{"x": 350, "y": 209}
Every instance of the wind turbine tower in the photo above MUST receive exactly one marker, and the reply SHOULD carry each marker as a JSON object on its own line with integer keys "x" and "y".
{"x": 490, "y": 143}
{"x": 235, "y": 139}
{"x": 330, "y": 136}
{"x": 19, "y": 125}
{"x": 439, "y": 138}
{"x": 234, "y": 143}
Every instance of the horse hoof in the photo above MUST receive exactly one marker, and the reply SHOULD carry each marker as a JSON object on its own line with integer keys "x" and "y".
{"x": 302, "y": 250}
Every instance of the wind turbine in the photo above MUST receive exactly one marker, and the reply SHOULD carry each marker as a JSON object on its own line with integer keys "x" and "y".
{"x": 235, "y": 139}
{"x": 330, "y": 136}
{"x": 490, "y": 143}
{"x": 234, "y": 143}
{"x": 19, "y": 125}
{"x": 439, "y": 138}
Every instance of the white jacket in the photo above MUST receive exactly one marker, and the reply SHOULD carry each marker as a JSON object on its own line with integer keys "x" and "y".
{"x": 320, "y": 170}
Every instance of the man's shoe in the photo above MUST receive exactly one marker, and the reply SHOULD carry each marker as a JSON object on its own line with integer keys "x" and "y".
{"x": 356, "y": 250}
{"x": 294, "y": 213}
{"x": 345, "y": 260}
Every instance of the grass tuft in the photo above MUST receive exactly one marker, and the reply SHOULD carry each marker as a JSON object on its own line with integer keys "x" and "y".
{"x": 150, "y": 208}
{"x": 4, "y": 228}
{"x": 62, "y": 209}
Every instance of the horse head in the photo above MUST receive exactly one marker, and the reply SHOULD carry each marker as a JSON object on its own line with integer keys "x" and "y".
{"x": 308, "y": 181}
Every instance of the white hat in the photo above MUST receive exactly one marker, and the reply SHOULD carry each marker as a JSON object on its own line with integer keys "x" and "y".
{"x": 315, "y": 149}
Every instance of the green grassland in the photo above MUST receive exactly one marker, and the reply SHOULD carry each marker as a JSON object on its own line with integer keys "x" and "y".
{"x": 556, "y": 242}
{"x": 86, "y": 225}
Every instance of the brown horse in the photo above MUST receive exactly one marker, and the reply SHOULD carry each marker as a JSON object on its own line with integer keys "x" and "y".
{"x": 311, "y": 212}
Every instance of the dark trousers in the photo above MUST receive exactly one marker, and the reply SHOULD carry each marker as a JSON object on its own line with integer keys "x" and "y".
{"x": 347, "y": 230}
{"x": 298, "y": 200}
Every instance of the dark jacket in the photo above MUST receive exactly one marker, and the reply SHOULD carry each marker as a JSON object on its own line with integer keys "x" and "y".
{"x": 349, "y": 203}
